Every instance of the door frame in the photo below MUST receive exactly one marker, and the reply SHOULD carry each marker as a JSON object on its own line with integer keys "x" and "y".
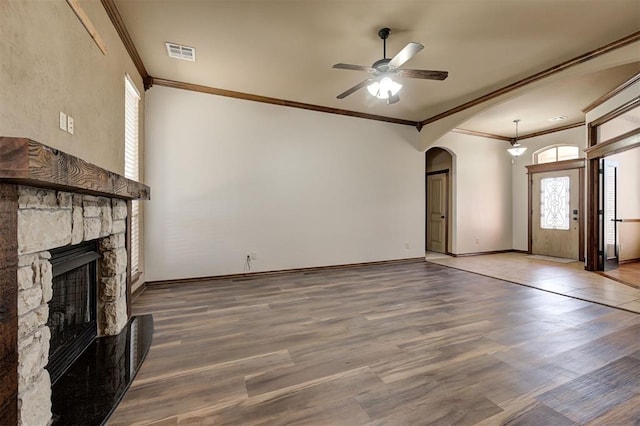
{"x": 594, "y": 153}
{"x": 607, "y": 263}
{"x": 558, "y": 166}
{"x": 446, "y": 209}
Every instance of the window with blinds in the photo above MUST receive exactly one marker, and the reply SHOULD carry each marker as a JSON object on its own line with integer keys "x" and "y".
{"x": 131, "y": 162}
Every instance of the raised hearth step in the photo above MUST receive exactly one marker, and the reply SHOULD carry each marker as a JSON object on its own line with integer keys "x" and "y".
{"x": 91, "y": 389}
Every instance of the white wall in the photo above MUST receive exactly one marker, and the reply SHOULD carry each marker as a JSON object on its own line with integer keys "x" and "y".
{"x": 574, "y": 137}
{"x": 298, "y": 188}
{"x": 481, "y": 182}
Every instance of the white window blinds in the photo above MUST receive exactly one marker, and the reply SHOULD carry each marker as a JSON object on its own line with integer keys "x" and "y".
{"x": 131, "y": 161}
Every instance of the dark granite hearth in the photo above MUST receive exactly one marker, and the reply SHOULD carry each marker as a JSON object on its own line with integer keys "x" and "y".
{"x": 90, "y": 390}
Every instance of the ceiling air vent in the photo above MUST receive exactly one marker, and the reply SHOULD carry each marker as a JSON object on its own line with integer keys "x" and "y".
{"x": 179, "y": 51}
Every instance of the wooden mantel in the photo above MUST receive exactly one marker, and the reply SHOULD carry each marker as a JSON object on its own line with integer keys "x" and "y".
{"x": 27, "y": 162}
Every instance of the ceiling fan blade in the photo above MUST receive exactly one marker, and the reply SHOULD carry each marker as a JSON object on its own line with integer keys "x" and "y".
{"x": 426, "y": 74}
{"x": 353, "y": 89}
{"x": 354, "y": 67}
{"x": 408, "y": 52}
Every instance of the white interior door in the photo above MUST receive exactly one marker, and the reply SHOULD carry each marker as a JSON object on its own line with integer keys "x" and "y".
{"x": 555, "y": 227}
{"x": 437, "y": 212}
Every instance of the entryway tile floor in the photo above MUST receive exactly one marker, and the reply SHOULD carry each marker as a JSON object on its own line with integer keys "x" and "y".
{"x": 569, "y": 279}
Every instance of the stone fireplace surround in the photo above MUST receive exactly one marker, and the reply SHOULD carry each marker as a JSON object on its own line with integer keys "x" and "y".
{"x": 50, "y": 219}
{"x": 49, "y": 199}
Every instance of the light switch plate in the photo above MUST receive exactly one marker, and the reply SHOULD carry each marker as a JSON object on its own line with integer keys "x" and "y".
{"x": 70, "y": 124}
{"x": 63, "y": 121}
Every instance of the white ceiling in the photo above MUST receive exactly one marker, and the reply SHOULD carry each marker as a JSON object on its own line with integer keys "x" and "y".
{"x": 285, "y": 49}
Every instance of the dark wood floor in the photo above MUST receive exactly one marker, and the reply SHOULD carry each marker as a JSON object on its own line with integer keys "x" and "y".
{"x": 404, "y": 344}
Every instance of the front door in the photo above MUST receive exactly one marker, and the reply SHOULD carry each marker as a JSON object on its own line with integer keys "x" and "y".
{"x": 437, "y": 212}
{"x": 555, "y": 210}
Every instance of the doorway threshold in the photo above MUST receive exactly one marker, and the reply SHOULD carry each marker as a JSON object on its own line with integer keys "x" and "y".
{"x": 435, "y": 255}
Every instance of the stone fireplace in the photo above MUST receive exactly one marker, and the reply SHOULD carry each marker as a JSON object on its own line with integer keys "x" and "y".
{"x": 50, "y": 200}
{"x": 49, "y": 219}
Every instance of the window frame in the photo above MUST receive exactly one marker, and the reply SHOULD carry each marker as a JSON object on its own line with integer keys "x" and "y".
{"x": 535, "y": 155}
{"x": 132, "y": 166}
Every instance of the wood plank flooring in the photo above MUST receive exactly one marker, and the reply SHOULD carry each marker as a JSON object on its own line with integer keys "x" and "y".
{"x": 410, "y": 343}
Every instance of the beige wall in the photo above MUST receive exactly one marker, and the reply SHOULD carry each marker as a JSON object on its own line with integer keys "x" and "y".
{"x": 49, "y": 63}
{"x": 481, "y": 202}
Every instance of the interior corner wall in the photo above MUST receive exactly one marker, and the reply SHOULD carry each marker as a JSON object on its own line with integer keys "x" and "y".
{"x": 49, "y": 63}
{"x": 233, "y": 178}
{"x": 481, "y": 181}
{"x": 576, "y": 137}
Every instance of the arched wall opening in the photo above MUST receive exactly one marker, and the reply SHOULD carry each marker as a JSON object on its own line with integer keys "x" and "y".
{"x": 439, "y": 200}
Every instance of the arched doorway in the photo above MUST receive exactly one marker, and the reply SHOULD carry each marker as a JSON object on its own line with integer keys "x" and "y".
{"x": 438, "y": 167}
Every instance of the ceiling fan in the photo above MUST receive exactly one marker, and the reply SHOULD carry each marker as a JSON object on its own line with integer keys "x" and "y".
{"x": 381, "y": 83}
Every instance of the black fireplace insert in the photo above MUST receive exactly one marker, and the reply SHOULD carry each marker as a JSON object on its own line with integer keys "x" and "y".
{"x": 72, "y": 309}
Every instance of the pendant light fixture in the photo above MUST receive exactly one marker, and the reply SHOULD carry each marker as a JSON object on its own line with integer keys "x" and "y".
{"x": 516, "y": 148}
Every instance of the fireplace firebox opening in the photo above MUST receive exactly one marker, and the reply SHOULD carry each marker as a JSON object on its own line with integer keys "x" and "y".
{"x": 72, "y": 309}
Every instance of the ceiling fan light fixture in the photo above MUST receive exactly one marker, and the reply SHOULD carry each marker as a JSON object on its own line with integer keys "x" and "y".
{"x": 381, "y": 89}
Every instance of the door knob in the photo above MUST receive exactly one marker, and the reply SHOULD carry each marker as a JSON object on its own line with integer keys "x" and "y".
{"x": 441, "y": 217}
{"x": 3, "y": 311}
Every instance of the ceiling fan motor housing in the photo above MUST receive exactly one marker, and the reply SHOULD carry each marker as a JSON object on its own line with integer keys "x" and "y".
{"x": 382, "y": 65}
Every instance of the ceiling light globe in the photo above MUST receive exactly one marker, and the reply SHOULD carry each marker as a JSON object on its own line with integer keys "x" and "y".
{"x": 517, "y": 150}
{"x": 380, "y": 89}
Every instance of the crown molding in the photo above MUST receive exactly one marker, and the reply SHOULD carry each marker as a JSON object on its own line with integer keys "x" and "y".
{"x": 118, "y": 23}
{"x": 521, "y": 137}
{"x": 481, "y": 134}
{"x": 631, "y": 38}
{"x": 554, "y": 130}
{"x": 276, "y": 101}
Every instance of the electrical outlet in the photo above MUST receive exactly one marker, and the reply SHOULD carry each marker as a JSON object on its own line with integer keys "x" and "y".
{"x": 63, "y": 121}
{"x": 407, "y": 246}
{"x": 253, "y": 256}
{"x": 70, "y": 124}
{"x": 477, "y": 240}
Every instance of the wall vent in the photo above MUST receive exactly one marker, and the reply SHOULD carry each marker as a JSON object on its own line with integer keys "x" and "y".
{"x": 179, "y": 51}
